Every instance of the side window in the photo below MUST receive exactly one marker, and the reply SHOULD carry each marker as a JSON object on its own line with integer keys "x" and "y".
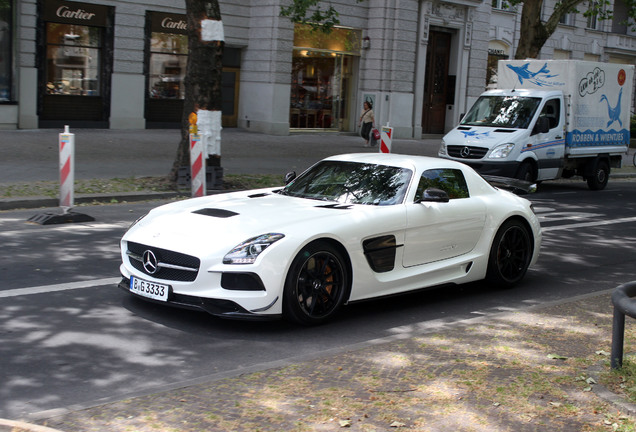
{"x": 552, "y": 110}
{"x": 451, "y": 181}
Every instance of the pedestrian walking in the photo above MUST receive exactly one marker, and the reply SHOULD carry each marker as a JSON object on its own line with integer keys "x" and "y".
{"x": 366, "y": 122}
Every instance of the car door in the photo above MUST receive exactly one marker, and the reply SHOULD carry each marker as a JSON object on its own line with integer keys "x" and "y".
{"x": 441, "y": 230}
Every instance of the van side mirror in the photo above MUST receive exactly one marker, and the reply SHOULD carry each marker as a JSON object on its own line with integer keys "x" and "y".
{"x": 542, "y": 126}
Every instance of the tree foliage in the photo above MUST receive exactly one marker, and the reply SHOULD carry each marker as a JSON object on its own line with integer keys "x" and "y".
{"x": 534, "y": 31}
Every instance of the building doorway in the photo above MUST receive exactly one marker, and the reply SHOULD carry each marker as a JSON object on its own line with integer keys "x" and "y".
{"x": 439, "y": 87}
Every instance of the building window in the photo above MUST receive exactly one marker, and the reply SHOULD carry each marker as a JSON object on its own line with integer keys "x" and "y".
{"x": 496, "y": 52}
{"x": 75, "y": 47}
{"x": 6, "y": 13}
{"x": 168, "y": 56}
{"x": 73, "y": 58}
{"x": 568, "y": 19}
{"x": 593, "y": 20}
{"x": 322, "y": 77}
{"x": 500, "y": 4}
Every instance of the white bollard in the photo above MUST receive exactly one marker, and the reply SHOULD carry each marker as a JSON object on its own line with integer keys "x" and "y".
{"x": 386, "y": 134}
{"x": 197, "y": 166}
{"x": 67, "y": 170}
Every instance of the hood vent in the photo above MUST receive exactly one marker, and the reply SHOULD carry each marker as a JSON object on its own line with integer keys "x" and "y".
{"x": 336, "y": 206}
{"x": 463, "y": 128}
{"x": 258, "y": 195}
{"x": 505, "y": 130}
{"x": 218, "y": 213}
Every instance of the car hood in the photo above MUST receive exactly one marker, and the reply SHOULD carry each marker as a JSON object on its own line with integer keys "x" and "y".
{"x": 216, "y": 223}
{"x": 480, "y": 136}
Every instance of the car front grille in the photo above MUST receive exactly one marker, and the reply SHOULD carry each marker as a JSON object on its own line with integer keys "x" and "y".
{"x": 466, "y": 152}
{"x": 167, "y": 265}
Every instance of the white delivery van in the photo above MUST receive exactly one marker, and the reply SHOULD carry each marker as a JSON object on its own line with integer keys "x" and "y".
{"x": 547, "y": 120}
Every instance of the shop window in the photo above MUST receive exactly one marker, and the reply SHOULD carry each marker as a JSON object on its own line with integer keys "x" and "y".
{"x": 494, "y": 55}
{"x": 5, "y": 51}
{"x": 73, "y": 57}
{"x": 167, "y": 65}
{"x": 322, "y": 75}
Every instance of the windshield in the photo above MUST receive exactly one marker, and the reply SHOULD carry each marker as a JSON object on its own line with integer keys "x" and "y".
{"x": 351, "y": 183}
{"x": 512, "y": 112}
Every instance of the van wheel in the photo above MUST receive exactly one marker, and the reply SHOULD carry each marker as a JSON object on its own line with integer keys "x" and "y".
{"x": 599, "y": 176}
{"x": 526, "y": 172}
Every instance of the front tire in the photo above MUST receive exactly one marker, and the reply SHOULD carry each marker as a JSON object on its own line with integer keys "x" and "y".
{"x": 526, "y": 172}
{"x": 510, "y": 254}
{"x": 316, "y": 286}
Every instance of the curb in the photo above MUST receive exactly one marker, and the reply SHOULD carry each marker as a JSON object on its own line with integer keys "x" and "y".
{"x": 43, "y": 202}
{"x": 18, "y": 426}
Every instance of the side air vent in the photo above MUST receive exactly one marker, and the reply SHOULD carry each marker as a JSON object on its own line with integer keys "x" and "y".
{"x": 380, "y": 253}
{"x": 218, "y": 213}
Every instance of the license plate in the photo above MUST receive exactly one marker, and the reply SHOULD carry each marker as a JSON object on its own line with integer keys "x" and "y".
{"x": 148, "y": 289}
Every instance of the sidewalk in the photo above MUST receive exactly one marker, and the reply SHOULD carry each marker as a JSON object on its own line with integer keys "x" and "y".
{"x": 495, "y": 373}
{"x": 32, "y": 155}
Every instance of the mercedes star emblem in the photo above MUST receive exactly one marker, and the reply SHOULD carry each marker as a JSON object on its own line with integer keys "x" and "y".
{"x": 150, "y": 262}
{"x": 465, "y": 152}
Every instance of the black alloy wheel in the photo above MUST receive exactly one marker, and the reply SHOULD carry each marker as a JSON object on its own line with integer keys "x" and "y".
{"x": 510, "y": 254}
{"x": 316, "y": 286}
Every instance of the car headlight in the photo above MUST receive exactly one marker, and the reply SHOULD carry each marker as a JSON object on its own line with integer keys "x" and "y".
{"x": 249, "y": 250}
{"x": 502, "y": 151}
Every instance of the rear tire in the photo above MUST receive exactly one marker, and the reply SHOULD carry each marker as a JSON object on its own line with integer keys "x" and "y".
{"x": 316, "y": 286}
{"x": 599, "y": 175}
{"x": 510, "y": 254}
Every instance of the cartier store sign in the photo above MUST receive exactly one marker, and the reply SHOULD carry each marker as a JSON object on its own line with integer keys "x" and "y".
{"x": 169, "y": 23}
{"x": 76, "y": 13}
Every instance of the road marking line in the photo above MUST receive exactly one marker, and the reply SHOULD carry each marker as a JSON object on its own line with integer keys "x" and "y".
{"x": 589, "y": 224}
{"x": 58, "y": 287}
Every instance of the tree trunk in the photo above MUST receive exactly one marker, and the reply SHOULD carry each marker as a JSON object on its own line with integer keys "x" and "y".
{"x": 534, "y": 33}
{"x": 203, "y": 74}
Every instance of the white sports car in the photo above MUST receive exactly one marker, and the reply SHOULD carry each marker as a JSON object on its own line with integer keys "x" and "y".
{"x": 352, "y": 227}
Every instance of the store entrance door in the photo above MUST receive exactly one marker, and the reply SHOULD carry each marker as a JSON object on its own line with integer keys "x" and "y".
{"x": 436, "y": 83}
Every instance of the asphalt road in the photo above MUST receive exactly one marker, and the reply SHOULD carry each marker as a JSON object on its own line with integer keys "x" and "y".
{"x": 69, "y": 338}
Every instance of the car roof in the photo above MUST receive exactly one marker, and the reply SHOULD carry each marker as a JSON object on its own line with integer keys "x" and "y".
{"x": 418, "y": 163}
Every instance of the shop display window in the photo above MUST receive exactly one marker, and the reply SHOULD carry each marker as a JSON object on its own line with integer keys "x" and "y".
{"x": 168, "y": 58}
{"x": 73, "y": 57}
{"x": 322, "y": 74}
{"x": 5, "y": 51}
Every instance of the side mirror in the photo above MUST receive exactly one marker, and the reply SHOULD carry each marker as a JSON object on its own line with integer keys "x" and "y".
{"x": 290, "y": 177}
{"x": 542, "y": 126}
{"x": 434, "y": 195}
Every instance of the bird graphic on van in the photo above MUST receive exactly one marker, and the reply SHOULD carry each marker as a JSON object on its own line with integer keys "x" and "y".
{"x": 614, "y": 113}
{"x": 475, "y": 134}
{"x": 538, "y": 78}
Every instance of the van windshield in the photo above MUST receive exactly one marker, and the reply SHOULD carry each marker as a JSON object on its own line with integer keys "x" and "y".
{"x": 511, "y": 112}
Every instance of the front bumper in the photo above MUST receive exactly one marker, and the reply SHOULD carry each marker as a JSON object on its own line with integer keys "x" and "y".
{"x": 217, "y": 307}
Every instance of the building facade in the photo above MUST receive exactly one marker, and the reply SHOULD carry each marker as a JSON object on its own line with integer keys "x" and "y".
{"x": 121, "y": 64}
